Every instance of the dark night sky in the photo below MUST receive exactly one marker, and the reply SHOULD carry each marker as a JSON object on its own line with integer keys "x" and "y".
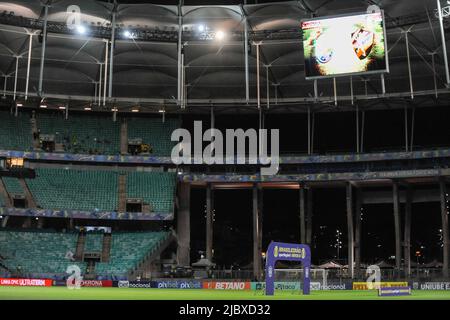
{"x": 335, "y": 133}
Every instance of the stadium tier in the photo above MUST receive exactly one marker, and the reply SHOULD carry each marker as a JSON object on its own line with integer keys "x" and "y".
{"x": 128, "y": 250}
{"x": 155, "y": 188}
{"x": 37, "y": 252}
{"x": 47, "y": 253}
{"x": 15, "y": 132}
{"x": 75, "y": 189}
{"x": 96, "y": 190}
{"x": 154, "y": 133}
{"x": 81, "y": 134}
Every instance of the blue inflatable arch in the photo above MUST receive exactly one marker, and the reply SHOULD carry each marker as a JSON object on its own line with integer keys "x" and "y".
{"x": 279, "y": 251}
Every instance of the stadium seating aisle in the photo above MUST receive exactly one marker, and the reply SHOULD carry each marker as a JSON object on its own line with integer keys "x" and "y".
{"x": 13, "y": 186}
{"x": 35, "y": 252}
{"x": 82, "y": 134}
{"x": 86, "y": 190}
{"x": 15, "y": 132}
{"x": 128, "y": 249}
{"x": 94, "y": 242}
{"x": 155, "y": 188}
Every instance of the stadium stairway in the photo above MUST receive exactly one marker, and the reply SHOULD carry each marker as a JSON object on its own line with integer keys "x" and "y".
{"x": 4, "y": 195}
{"x": 79, "y": 251}
{"x": 28, "y": 195}
{"x": 124, "y": 136}
{"x": 106, "y": 248}
{"x": 149, "y": 261}
{"x": 122, "y": 205}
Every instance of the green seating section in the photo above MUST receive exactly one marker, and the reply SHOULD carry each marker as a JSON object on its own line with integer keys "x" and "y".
{"x": 13, "y": 186}
{"x": 128, "y": 250}
{"x": 15, "y": 132}
{"x": 155, "y": 188}
{"x": 154, "y": 132}
{"x": 94, "y": 242}
{"x": 85, "y": 134}
{"x": 84, "y": 190}
{"x": 37, "y": 251}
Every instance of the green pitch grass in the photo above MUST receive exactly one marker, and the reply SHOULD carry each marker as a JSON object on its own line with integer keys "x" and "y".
{"x": 62, "y": 293}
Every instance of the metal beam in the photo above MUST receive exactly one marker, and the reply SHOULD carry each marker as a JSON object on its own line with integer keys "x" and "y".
{"x": 257, "y": 231}
{"x": 444, "y": 45}
{"x": 30, "y": 45}
{"x": 111, "y": 53}
{"x": 44, "y": 43}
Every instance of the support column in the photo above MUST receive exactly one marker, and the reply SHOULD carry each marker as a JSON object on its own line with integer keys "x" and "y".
{"x": 309, "y": 216}
{"x": 209, "y": 223}
{"x": 358, "y": 220}
{"x": 445, "y": 235}
{"x": 350, "y": 235}
{"x": 44, "y": 43}
{"x": 407, "y": 232}
{"x": 71, "y": 224}
{"x": 184, "y": 225}
{"x": 398, "y": 245}
{"x": 111, "y": 53}
{"x": 257, "y": 232}
{"x": 302, "y": 215}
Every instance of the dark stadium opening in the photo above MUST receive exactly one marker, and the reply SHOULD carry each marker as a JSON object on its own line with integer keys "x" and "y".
{"x": 232, "y": 230}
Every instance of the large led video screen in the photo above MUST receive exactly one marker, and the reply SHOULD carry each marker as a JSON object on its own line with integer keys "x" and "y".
{"x": 345, "y": 45}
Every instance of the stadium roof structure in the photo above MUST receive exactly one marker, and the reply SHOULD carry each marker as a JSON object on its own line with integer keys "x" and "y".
{"x": 170, "y": 58}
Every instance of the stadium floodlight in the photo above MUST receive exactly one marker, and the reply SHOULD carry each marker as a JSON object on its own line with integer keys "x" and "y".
{"x": 43, "y": 106}
{"x": 87, "y": 108}
{"x": 81, "y": 29}
{"x": 201, "y": 28}
{"x": 114, "y": 109}
{"x": 128, "y": 34}
{"x": 134, "y": 110}
{"x": 19, "y": 104}
{"x": 62, "y": 108}
{"x": 220, "y": 35}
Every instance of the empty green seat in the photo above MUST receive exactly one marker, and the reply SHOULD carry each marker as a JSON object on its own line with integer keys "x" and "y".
{"x": 155, "y": 188}
{"x": 85, "y": 190}
{"x": 13, "y": 186}
{"x": 15, "y": 132}
{"x": 38, "y": 251}
{"x": 154, "y": 132}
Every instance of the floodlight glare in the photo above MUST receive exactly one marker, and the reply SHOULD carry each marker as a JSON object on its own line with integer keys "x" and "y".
{"x": 201, "y": 28}
{"x": 220, "y": 35}
{"x": 128, "y": 34}
{"x": 81, "y": 29}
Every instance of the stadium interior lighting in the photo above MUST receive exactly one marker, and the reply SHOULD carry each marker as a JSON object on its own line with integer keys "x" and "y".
{"x": 43, "y": 106}
{"x": 161, "y": 111}
{"x": 134, "y": 110}
{"x": 81, "y": 29}
{"x": 201, "y": 28}
{"x": 19, "y": 104}
{"x": 62, "y": 108}
{"x": 114, "y": 109}
{"x": 128, "y": 34}
{"x": 88, "y": 108}
{"x": 220, "y": 35}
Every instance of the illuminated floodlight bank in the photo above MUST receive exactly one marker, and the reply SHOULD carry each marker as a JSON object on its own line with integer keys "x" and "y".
{"x": 345, "y": 45}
